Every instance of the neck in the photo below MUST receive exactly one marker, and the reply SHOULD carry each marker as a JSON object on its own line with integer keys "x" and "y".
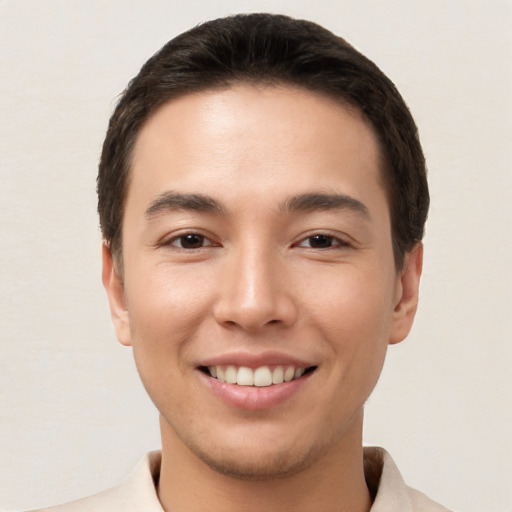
{"x": 335, "y": 482}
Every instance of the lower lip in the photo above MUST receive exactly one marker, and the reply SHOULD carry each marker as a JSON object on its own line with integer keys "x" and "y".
{"x": 253, "y": 398}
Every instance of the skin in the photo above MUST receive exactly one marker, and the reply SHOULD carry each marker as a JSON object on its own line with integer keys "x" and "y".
{"x": 316, "y": 284}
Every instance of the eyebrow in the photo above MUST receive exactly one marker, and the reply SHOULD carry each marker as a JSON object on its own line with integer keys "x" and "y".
{"x": 172, "y": 201}
{"x": 322, "y": 201}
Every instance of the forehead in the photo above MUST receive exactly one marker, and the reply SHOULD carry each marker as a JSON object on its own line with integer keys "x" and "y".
{"x": 253, "y": 138}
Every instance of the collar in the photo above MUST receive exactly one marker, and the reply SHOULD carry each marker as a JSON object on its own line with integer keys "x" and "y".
{"x": 388, "y": 489}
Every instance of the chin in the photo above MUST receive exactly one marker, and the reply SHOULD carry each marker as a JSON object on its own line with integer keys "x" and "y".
{"x": 258, "y": 464}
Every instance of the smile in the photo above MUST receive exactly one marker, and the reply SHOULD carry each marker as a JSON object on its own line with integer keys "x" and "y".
{"x": 262, "y": 376}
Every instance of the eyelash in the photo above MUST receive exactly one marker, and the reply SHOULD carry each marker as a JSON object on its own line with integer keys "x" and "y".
{"x": 173, "y": 241}
{"x": 334, "y": 242}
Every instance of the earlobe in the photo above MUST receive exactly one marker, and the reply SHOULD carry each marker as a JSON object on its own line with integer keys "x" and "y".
{"x": 114, "y": 287}
{"x": 407, "y": 295}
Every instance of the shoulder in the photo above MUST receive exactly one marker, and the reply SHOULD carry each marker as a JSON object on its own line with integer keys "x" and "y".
{"x": 136, "y": 493}
{"x": 98, "y": 502}
{"x": 389, "y": 489}
{"x": 422, "y": 503}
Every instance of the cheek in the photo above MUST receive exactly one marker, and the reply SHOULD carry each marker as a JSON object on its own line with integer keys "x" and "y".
{"x": 354, "y": 314}
{"x": 166, "y": 310}
{"x": 352, "y": 302}
{"x": 166, "y": 300}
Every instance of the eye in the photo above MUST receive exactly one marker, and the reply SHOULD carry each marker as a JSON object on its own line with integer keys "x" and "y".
{"x": 322, "y": 241}
{"x": 190, "y": 241}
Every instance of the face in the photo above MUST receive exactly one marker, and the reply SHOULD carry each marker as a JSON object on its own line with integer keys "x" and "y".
{"x": 259, "y": 289}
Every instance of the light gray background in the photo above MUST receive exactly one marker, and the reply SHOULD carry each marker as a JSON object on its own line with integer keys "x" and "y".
{"x": 74, "y": 418}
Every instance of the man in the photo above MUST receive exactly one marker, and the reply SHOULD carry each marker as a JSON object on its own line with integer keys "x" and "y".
{"x": 262, "y": 197}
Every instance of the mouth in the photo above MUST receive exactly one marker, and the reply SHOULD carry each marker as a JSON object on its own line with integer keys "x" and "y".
{"x": 263, "y": 376}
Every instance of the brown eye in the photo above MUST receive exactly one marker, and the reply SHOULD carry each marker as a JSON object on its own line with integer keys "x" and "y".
{"x": 319, "y": 241}
{"x": 323, "y": 241}
{"x": 190, "y": 241}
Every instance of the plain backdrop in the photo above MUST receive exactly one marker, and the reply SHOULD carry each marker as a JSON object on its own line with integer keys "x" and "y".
{"x": 74, "y": 418}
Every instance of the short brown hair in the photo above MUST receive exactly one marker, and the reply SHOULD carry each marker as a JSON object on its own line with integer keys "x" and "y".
{"x": 269, "y": 49}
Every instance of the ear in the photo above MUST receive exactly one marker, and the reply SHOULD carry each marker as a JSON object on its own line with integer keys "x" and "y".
{"x": 114, "y": 287}
{"x": 406, "y": 301}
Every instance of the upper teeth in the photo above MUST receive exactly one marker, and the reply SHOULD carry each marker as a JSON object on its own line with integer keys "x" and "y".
{"x": 262, "y": 376}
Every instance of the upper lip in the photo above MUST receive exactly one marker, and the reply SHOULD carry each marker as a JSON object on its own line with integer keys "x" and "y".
{"x": 256, "y": 360}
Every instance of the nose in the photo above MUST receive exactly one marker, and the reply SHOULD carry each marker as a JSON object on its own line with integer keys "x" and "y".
{"x": 254, "y": 291}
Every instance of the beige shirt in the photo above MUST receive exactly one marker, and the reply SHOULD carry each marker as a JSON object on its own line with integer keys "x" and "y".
{"x": 138, "y": 494}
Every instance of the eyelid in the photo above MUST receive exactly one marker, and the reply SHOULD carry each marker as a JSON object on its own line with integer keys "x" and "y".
{"x": 342, "y": 241}
{"x": 169, "y": 240}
